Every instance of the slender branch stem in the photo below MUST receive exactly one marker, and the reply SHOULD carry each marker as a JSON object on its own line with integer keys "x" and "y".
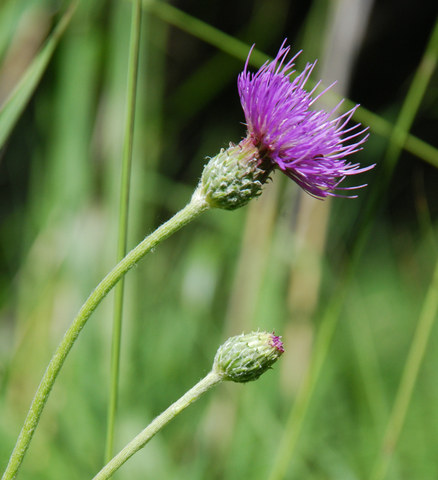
{"x": 123, "y": 223}
{"x": 196, "y": 206}
{"x": 156, "y": 425}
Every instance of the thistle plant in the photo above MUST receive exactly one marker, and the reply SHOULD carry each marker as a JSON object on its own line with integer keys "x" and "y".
{"x": 241, "y": 359}
{"x": 284, "y": 132}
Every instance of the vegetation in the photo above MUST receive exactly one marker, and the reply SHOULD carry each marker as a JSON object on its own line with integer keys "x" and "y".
{"x": 351, "y": 285}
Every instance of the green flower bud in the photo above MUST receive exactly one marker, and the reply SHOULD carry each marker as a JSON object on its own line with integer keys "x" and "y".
{"x": 245, "y": 357}
{"x": 234, "y": 176}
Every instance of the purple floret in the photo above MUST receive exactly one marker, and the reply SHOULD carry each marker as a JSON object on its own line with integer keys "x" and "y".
{"x": 277, "y": 343}
{"x": 309, "y": 146}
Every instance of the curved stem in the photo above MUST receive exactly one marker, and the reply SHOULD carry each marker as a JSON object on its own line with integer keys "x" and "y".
{"x": 196, "y": 206}
{"x": 158, "y": 423}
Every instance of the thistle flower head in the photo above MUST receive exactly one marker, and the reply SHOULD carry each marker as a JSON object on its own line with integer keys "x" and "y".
{"x": 245, "y": 357}
{"x": 284, "y": 131}
{"x": 308, "y": 145}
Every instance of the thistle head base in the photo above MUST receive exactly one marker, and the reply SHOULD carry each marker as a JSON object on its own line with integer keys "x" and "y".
{"x": 234, "y": 176}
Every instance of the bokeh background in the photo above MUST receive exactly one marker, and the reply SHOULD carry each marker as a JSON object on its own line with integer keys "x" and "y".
{"x": 348, "y": 283}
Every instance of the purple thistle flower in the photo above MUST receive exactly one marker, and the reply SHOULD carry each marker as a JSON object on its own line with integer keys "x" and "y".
{"x": 284, "y": 131}
{"x": 309, "y": 146}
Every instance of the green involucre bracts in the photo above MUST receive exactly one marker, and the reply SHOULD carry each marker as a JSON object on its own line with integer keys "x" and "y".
{"x": 233, "y": 177}
{"x": 245, "y": 357}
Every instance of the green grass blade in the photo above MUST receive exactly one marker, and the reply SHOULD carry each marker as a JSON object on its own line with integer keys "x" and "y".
{"x": 399, "y": 134}
{"x": 16, "y": 102}
{"x": 408, "y": 381}
{"x": 298, "y": 413}
{"x": 123, "y": 222}
{"x": 414, "y": 97}
{"x": 204, "y": 31}
{"x": 263, "y": 24}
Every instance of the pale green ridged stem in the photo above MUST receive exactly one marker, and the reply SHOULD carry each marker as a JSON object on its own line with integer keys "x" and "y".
{"x": 196, "y": 206}
{"x": 212, "y": 379}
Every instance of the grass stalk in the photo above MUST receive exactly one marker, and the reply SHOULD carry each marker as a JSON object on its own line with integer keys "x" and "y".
{"x": 134, "y": 48}
{"x": 297, "y": 415}
{"x": 408, "y": 381}
{"x": 14, "y": 105}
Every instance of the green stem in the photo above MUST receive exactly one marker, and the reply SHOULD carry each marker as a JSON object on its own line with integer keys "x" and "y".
{"x": 123, "y": 224}
{"x": 156, "y": 425}
{"x": 196, "y": 206}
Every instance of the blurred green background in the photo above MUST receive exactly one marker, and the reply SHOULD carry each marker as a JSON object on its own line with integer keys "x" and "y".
{"x": 348, "y": 283}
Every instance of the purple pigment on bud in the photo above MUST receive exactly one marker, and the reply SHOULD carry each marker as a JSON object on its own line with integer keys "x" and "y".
{"x": 277, "y": 343}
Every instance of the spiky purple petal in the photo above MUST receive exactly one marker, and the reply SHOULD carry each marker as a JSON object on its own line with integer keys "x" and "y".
{"x": 309, "y": 146}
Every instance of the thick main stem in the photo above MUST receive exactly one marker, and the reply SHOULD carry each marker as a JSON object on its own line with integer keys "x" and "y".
{"x": 196, "y": 206}
{"x": 158, "y": 423}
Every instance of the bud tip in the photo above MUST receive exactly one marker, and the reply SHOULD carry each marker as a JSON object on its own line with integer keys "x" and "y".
{"x": 277, "y": 343}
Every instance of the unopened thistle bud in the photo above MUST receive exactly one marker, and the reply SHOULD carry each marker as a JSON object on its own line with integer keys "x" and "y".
{"x": 245, "y": 357}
